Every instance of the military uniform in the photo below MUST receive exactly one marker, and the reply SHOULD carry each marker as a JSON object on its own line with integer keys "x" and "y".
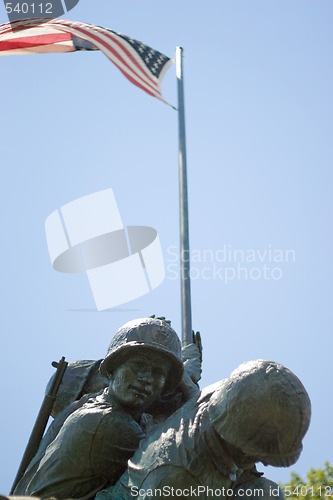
{"x": 88, "y": 445}
{"x": 209, "y": 447}
{"x": 82, "y": 448}
{"x": 184, "y": 453}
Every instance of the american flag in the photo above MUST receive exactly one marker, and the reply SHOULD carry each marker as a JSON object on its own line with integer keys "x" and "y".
{"x": 142, "y": 65}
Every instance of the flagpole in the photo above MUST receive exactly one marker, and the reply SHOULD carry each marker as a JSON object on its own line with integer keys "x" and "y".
{"x": 183, "y": 205}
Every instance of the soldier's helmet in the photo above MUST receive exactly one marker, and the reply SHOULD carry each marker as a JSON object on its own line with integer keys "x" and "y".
{"x": 150, "y": 335}
{"x": 264, "y": 410}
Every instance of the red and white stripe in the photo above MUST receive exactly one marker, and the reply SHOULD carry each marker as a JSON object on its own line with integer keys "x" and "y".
{"x": 35, "y": 42}
{"x": 21, "y": 36}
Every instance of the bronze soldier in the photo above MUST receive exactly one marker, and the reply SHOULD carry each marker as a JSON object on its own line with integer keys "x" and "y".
{"x": 209, "y": 447}
{"x": 89, "y": 443}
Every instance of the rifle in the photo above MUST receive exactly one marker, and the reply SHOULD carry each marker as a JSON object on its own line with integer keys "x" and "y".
{"x": 41, "y": 421}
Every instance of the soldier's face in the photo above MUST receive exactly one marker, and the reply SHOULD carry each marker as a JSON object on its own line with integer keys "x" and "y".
{"x": 139, "y": 381}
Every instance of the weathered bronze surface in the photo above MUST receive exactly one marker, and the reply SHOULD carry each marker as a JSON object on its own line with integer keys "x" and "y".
{"x": 183, "y": 442}
{"x": 90, "y": 441}
{"x": 259, "y": 414}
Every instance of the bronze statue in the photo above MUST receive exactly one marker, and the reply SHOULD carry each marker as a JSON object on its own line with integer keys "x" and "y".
{"x": 183, "y": 442}
{"x": 209, "y": 447}
{"x": 89, "y": 443}
{"x": 85, "y": 377}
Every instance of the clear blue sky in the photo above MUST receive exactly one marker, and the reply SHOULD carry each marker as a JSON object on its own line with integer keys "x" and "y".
{"x": 258, "y": 91}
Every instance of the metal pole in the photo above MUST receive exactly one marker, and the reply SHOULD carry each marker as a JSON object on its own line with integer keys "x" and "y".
{"x": 184, "y": 230}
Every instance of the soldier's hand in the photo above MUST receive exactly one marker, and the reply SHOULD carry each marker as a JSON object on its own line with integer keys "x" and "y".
{"x": 162, "y": 318}
{"x": 196, "y": 337}
{"x": 192, "y": 358}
